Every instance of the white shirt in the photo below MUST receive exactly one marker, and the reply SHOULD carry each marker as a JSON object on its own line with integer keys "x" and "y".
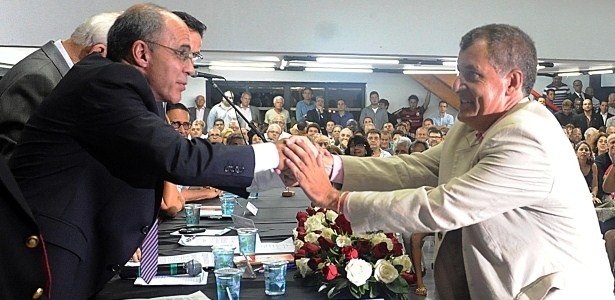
{"x": 246, "y": 113}
{"x": 200, "y": 113}
{"x": 64, "y": 53}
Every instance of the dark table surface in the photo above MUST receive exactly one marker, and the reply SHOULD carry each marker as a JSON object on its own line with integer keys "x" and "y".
{"x": 275, "y": 220}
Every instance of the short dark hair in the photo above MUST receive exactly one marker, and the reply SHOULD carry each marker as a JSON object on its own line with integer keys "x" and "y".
{"x": 508, "y": 48}
{"x": 434, "y": 130}
{"x": 374, "y": 131}
{"x": 312, "y": 125}
{"x": 413, "y": 97}
{"x": 193, "y": 23}
{"x": 428, "y": 119}
{"x": 172, "y": 106}
{"x": 374, "y": 93}
{"x": 385, "y": 101}
{"x": 397, "y": 131}
{"x": 359, "y": 140}
{"x": 216, "y": 120}
{"x": 139, "y": 22}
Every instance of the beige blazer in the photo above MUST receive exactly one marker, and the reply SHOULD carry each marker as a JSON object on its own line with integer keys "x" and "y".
{"x": 527, "y": 227}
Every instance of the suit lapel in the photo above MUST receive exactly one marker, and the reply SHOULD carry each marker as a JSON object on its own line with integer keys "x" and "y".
{"x": 56, "y": 57}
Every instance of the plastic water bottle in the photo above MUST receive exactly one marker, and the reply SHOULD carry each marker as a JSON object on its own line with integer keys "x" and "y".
{"x": 429, "y": 247}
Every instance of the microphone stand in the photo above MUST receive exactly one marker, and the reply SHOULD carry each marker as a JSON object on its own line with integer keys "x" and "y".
{"x": 252, "y": 127}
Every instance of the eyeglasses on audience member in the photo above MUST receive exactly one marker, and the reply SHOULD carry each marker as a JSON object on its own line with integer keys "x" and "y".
{"x": 176, "y": 125}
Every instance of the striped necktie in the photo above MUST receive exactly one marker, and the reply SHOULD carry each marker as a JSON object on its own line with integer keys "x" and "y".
{"x": 149, "y": 254}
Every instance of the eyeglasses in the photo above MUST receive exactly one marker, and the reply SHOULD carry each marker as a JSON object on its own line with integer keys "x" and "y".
{"x": 176, "y": 125}
{"x": 323, "y": 144}
{"x": 182, "y": 54}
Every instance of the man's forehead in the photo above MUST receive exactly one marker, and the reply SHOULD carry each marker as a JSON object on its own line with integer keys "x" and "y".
{"x": 175, "y": 31}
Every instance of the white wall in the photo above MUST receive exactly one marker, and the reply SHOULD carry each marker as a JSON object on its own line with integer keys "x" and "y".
{"x": 404, "y": 27}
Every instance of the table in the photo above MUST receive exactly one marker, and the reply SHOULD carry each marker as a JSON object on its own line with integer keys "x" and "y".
{"x": 275, "y": 220}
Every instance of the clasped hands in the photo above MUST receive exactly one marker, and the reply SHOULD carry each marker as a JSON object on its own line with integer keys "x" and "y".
{"x": 302, "y": 164}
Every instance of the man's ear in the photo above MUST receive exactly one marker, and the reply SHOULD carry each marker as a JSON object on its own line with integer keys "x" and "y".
{"x": 99, "y": 48}
{"x": 141, "y": 53}
{"x": 514, "y": 81}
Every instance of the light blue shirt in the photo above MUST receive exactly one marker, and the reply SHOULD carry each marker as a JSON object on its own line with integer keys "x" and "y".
{"x": 302, "y": 109}
{"x": 446, "y": 120}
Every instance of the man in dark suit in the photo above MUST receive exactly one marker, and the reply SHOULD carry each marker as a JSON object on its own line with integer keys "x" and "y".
{"x": 26, "y": 84}
{"x": 23, "y": 257}
{"x": 319, "y": 114}
{"x": 94, "y": 155}
{"x": 589, "y": 118}
{"x": 199, "y": 112}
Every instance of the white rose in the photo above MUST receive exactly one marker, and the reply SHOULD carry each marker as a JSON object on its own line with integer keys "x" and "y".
{"x": 320, "y": 216}
{"x": 343, "y": 241}
{"x": 312, "y": 238}
{"x": 385, "y": 272}
{"x": 298, "y": 244}
{"x": 327, "y": 232}
{"x": 403, "y": 261}
{"x": 358, "y": 271}
{"x": 295, "y": 233}
{"x": 331, "y": 215}
{"x": 379, "y": 238}
{"x": 302, "y": 265}
{"x": 313, "y": 223}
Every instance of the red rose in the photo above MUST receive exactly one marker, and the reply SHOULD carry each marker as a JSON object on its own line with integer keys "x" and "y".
{"x": 313, "y": 263}
{"x": 343, "y": 224}
{"x": 310, "y": 211}
{"x": 322, "y": 210}
{"x": 325, "y": 243}
{"x": 301, "y": 218}
{"x": 391, "y": 235}
{"x": 300, "y": 254}
{"x": 398, "y": 249}
{"x": 310, "y": 248}
{"x": 350, "y": 253}
{"x": 330, "y": 272}
{"x": 380, "y": 250}
{"x": 363, "y": 246}
{"x": 410, "y": 278}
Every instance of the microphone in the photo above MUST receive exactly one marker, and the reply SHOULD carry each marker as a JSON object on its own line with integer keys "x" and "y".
{"x": 206, "y": 75}
{"x": 192, "y": 268}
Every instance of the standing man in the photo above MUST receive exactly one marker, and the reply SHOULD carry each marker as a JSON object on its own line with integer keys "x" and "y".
{"x": 249, "y": 111}
{"x": 199, "y": 112}
{"x": 384, "y": 103}
{"x": 26, "y": 84}
{"x": 341, "y": 117}
{"x": 319, "y": 114}
{"x": 562, "y": 92}
{"x": 518, "y": 218}
{"x": 589, "y": 118}
{"x": 222, "y": 110}
{"x": 95, "y": 198}
{"x": 577, "y": 92}
{"x": 378, "y": 114}
{"x": 277, "y": 110}
{"x": 413, "y": 113}
{"x": 443, "y": 121}
{"x": 304, "y": 105}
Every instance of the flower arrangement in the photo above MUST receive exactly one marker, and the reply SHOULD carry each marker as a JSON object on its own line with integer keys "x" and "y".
{"x": 328, "y": 255}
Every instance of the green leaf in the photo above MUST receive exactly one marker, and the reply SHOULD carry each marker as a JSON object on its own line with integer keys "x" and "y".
{"x": 374, "y": 290}
{"x": 399, "y": 286}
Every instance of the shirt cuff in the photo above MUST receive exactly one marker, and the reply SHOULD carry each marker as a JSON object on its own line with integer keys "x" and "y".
{"x": 337, "y": 173}
{"x": 266, "y": 157}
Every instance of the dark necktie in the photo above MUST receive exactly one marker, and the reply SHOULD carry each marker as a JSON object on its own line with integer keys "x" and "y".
{"x": 149, "y": 254}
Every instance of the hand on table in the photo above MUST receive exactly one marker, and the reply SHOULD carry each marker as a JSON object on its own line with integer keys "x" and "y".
{"x": 136, "y": 257}
{"x": 308, "y": 168}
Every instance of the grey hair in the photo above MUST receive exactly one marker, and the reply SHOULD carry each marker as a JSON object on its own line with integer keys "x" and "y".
{"x": 278, "y": 97}
{"x": 403, "y": 141}
{"x": 94, "y": 29}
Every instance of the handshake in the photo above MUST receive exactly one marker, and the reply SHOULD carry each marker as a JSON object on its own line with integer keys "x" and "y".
{"x": 302, "y": 164}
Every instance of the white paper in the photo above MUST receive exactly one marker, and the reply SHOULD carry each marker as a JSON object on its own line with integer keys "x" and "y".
{"x": 285, "y": 246}
{"x": 206, "y": 259}
{"x": 208, "y": 232}
{"x": 252, "y": 208}
{"x": 201, "y": 279}
{"x": 198, "y": 295}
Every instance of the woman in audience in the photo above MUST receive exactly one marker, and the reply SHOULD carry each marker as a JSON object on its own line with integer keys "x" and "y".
{"x": 588, "y": 168}
{"x": 273, "y": 132}
{"x": 358, "y": 146}
{"x": 600, "y": 146}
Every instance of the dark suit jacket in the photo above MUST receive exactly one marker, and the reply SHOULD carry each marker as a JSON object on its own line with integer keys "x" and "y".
{"x": 192, "y": 113}
{"x": 321, "y": 119}
{"x": 581, "y": 122}
{"x": 91, "y": 165}
{"x": 23, "y": 88}
{"x": 603, "y": 161}
{"x": 22, "y": 255}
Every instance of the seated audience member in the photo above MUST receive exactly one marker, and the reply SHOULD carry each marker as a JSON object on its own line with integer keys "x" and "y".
{"x": 603, "y": 162}
{"x": 403, "y": 127}
{"x": 283, "y": 123}
{"x": 352, "y": 125}
{"x": 345, "y": 136}
{"x": 335, "y": 134}
{"x": 589, "y": 118}
{"x": 273, "y": 132}
{"x": 428, "y": 123}
{"x": 235, "y": 139}
{"x": 367, "y": 120}
{"x": 302, "y": 127}
{"x": 589, "y": 134}
{"x": 320, "y": 141}
{"x": 434, "y": 137}
{"x": 610, "y": 130}
{"x": 225, "y": 133}
{"x": 418, "y": 146}
{"x": 402, "y": 145}
{"x": 386, "y": 142}
{"x": 542, "y": 101}
{"x": 255, "y": 139}
{"x": 443, "y": 120}
{"x": 568, "y": 130}
{"x": 196, "y": 130}
{"x": 421, "y": 134}
{"x": 277, "y": 110}
{"x": 588, "y": 168}
{"x": 312, "y": 129}
{"x": 179, "y": 117}
{"x": 565, "y": 116}
{"x": 600, "y": 146}
{"x": 576, "y": 135}
{"x": 369, "y": 127}
{"x": 603, "y": 111}
{"x": 341, "y": 117}
{"x": 358, "y": 146}
{"x": 396, "y": 134}
{"x": 234, "y": 125}
{"x": 373, "y": 138}
{"x": 214, "y": 135}
{"x": 359, "y": 132}
{"x": 578, "y": 106}
{"x": 329, "y": 129}
{"x": 388, "y": 126}
{"x": 201, "y": 123}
